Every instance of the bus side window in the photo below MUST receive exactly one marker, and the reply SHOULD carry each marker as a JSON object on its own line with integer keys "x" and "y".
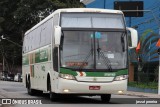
{"x": 55, "y": 59}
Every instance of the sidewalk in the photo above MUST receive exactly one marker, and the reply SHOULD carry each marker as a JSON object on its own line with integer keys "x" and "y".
{"x": 141, "y": 94}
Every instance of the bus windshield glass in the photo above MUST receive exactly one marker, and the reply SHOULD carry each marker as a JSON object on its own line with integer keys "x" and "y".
{"x": 92, "y": 20}
{"x": 93, "y": 50}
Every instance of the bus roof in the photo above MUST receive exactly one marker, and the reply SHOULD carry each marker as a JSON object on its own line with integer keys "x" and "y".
{"x": 89, "y": 10}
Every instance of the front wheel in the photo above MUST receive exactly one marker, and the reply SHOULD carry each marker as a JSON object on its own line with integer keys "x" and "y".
{"x": 52, "y": 96}
{"x": 106, "y": 98}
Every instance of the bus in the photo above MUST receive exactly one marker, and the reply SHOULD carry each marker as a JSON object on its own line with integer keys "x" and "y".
{"x": 78, "y": 51}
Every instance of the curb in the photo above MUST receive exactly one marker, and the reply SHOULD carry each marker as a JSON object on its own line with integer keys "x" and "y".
{"x": 141, "y": 94}
{"x": 6, "y": 105}
{"x": 135, "y": 95}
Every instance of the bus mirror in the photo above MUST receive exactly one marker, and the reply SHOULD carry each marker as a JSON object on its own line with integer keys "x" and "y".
{"x": 57, "y": 35}
{"x": 132, "y": 37}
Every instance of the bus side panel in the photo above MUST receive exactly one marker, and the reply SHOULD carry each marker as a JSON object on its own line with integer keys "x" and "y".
{"x": 42, "y": 74}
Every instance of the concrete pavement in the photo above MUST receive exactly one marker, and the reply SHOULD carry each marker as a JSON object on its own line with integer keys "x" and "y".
{"x": 128, "y": 93}
{"x": 142, "y": 94}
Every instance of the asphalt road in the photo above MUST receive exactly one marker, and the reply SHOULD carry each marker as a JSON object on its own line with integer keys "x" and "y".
{"x": 17, "y": 90}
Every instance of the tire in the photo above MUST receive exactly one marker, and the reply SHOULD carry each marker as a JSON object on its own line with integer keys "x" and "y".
{"x": 29, "y": 89}
{"x": 38, "y": 92}
{"x": 52, "y": 96}
{"x": 105, "y": 98}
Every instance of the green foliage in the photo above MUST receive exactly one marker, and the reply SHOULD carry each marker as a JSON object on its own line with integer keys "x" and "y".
{"x": 156, "y": 70}
{"x": 10, "y": 30}
{"x": 150, "y": 85}
{"x": 1, "y": 20}
{"x": 29, "y": 11}
{"x": 17, "y": 16}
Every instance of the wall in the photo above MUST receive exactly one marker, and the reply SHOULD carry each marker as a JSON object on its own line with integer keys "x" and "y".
{"x": 147, "y": 27}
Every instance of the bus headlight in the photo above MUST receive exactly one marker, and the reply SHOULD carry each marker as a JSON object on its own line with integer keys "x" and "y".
{"x": 121, "y": 77}
{"x": 67, "y": 76}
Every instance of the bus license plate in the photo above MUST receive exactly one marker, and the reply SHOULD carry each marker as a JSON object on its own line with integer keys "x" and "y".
{"x": 94, "y": 87}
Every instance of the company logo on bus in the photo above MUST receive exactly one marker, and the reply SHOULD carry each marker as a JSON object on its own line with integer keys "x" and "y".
{"x": 94, "y": 79}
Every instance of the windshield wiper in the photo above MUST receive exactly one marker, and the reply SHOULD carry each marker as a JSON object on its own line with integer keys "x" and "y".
{"x": 123, "y": 42}
{"x": 85, "y": 60}
{"x": 98, "y": 49}
{"x": 106, "y": 60}
{"x": 87, "y": 57}
{"x": 100, "y": 54}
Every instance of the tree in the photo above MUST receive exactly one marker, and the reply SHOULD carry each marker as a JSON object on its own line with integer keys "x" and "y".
{"x": 29, "y": 11}
{"x": 17, "y": 16}
{"x": 1, "y": 20}
{"x": 9, "y": 28}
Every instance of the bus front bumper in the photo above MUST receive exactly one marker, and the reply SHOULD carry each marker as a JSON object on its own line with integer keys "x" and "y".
{"x": 74, "y": 87}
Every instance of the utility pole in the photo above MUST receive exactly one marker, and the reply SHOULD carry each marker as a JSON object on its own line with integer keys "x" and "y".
{"x": 3, "y": 64}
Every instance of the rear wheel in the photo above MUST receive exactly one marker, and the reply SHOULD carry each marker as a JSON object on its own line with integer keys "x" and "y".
{"x": 106, "y": 98}
{"x": 38, "y": 92}
{"x": 29, "y": 89}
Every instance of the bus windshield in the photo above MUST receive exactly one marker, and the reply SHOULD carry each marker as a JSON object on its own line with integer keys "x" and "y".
{"x": 93, "y": 50}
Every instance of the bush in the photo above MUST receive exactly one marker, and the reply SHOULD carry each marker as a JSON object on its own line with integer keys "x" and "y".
{"x": 150, "y": 85}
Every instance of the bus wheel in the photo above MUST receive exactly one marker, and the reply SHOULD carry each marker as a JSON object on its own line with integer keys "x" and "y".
{"x": 52, "y": 95}
{"x": 106, "y": 98}
{"x": 39, "y": 92}
{"x": 30, "y": 91}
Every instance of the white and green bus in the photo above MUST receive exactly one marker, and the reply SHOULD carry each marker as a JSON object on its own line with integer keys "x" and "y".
{"x": 78, "y": 51}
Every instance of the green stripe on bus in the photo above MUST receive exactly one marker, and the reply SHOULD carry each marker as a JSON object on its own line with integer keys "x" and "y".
{"x": 25, "y": 60}
{"x": 107, "y": 74}
{"x": 68, "y": 71}
{"x": 95, "y": 74}
{"x": 41, "y": 55}
{"x": 122, "y": 72}
{"x": 100, "y": 74}
{"x": 37, "y": 54}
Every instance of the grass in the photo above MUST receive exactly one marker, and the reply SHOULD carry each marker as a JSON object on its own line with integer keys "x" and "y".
{"x": 150, "y": 85}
